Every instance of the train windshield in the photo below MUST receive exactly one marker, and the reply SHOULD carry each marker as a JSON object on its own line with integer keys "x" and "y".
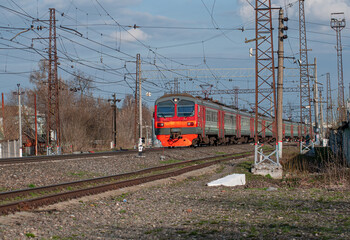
{"x": 185, "y": 108}
{"x": 166, "y": 109}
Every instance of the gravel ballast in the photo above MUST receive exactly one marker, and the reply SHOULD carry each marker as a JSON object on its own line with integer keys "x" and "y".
{"x": 19, "y": 176}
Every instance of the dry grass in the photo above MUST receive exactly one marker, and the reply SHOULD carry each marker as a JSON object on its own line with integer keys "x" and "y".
{"x": 322, "y": 168}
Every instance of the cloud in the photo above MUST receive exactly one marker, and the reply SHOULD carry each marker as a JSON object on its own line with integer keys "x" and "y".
{"x": 315, "y": 10}
{"x": 131, "y": 35}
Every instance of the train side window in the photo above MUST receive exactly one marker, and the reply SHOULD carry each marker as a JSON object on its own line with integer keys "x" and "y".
{"x": 165, "y": 109}
{"x": 185, "y": 108}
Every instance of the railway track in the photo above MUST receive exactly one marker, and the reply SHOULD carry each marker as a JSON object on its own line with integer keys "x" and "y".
{"x": 46, "y": 158}
{"x": 26, "y": 199}
{"x": 70, "y": 156}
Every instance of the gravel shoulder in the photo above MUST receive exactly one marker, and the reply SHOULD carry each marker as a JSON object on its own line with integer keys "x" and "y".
{"x": 185, "y": 208}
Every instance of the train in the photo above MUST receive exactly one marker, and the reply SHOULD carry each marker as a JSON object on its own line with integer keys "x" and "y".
{"x": 182, "y": 120}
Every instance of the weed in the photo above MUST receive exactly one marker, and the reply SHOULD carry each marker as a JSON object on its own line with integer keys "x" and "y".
{"x": 156, "y": 230}
{"x": 214, "y": 222}
{"x": 220, "y": 153}
{"x": 30, "y": 235}
{"x": 170, "y": 161}
{"x": 31, "y": 185}
{"x": 121, "y": 197}
{"x": 122, "y": 211}
{"x": 202, "y": 222}
{"x": 193, "y": 233}
{"x": 268, "y": 176}
{"x": 220, "y": 169}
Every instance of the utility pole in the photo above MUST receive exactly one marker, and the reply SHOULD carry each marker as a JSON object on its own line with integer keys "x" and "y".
{"x": 317, "y": 122}
{"x": 36, "y": 126}
{"x": 136, "y": 99}
{"x": 114, "y": 101}
{"x": 53, "y": 117}
{"x": 322, "y": 134}
{"x": 305, "y": 99}
{"x": 3, "y": 115}
{"x": 176, "y": 85}
{"x": 329, "y": 102}
{"x": 236, "y": 97}
{"x": 339, "y": 24}
{"x": 281, "y": 37}
{"x": 19, "y": 93}
{"x": 138, "y": 78}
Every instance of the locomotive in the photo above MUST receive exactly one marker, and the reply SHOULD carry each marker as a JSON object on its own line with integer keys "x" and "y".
{"x": 183, "y": 120}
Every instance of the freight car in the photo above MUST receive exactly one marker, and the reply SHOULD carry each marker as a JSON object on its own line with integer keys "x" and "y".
{"x": 184, "y": 120}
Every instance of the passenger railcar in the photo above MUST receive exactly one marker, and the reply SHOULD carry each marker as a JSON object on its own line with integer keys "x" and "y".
{"x": 184, "y": 120}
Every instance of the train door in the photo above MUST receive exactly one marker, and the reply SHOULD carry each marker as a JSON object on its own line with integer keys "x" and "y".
{"x": 203, "y": 112}
{"x": 222, "y": 124}
{"x": 219, "y": 124}
{"x": 238, "y": 125}
{"x": 291, "y": 131}
{"x": 284, "y": 131}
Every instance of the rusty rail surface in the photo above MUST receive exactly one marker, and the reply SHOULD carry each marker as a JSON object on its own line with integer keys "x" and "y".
{"x": 54, "y": 198}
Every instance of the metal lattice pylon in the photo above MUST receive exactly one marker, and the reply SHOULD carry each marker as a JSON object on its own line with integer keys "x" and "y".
{"x": 305, "y": 97}
{"x": 53, "y": 117}
{"x": 265, "y": 102}
{"x": 339, "y": 24}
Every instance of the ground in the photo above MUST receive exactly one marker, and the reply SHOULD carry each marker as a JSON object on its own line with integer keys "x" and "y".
{"x": 185, "y": 208}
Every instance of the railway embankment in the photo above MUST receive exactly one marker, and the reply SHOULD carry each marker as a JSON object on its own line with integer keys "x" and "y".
{"x": 300, "y": 206}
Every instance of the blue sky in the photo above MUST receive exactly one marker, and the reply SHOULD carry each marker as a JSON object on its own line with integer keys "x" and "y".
{"x": 176, "y": 39}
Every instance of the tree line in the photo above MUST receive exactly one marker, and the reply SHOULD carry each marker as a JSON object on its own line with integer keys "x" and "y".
{"x": 86, "y": 121}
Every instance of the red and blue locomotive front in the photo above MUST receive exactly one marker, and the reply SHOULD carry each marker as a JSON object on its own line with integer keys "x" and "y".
{"x": 176, "y": 120}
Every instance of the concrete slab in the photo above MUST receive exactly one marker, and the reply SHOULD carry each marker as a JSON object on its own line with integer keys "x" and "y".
{"x": 264, "y": 169}
{"x": 229, "y": 181}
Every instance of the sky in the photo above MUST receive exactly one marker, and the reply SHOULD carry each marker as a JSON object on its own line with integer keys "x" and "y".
{"x": 196, "y": 42}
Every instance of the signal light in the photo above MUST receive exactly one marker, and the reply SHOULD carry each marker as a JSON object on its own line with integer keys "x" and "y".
{"x": 190, "y": 124}
{"x": 160, "y": 124}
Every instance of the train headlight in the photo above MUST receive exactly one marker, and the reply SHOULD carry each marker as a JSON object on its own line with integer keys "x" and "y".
{"x": 160, "y": 124}
{"x": 190, "y": 124}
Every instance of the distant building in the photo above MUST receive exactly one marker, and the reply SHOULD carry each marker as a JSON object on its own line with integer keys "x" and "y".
{"x": 9, "y": 125}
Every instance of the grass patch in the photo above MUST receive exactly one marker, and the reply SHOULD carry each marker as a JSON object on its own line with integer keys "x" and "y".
{"x": 153, "y": 231}
{"x": 220, "y": 153}
{"x": 31, "y": 186}
{"x": 30, "y": 235}
{"x": 120, "y": 198}
{"x": 170, "y": 161}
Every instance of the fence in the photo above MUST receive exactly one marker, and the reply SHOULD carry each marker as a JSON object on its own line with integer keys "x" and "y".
{"x": 9, "y": 149}
{"x": 339, "y": 142}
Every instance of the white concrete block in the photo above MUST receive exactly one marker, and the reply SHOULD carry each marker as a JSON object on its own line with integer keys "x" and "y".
{"x": 229, "y": 181}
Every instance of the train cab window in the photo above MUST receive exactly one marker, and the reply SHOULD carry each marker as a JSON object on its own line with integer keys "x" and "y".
{"x": 185, "y": 108}
{"x": 166, "y": 109}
